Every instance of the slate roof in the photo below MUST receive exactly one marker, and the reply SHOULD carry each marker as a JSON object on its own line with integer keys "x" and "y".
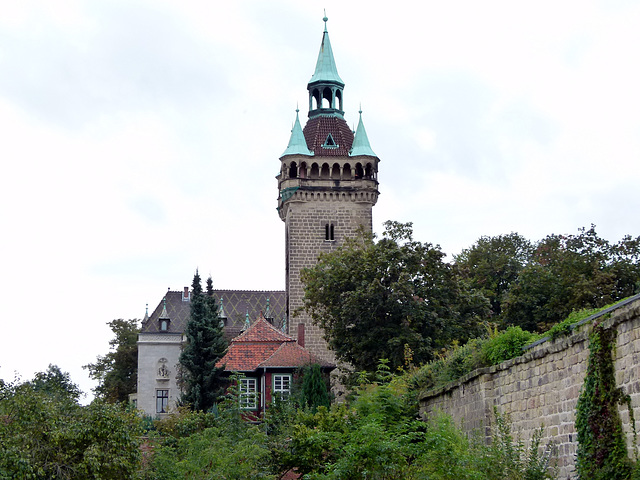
{"x": 263, "y": 345}
{"x": 319, "y": 127}
{"x": 236, "y": 303}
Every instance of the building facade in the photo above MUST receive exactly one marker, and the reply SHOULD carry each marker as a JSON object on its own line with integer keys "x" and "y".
{"x": 161, "y": 339}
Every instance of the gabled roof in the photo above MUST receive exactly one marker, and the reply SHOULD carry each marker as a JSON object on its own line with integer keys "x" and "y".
{"x": 290, "y": 354}
{"x": 262, "y": 331}
{"x": 326, "y": 70}
{"x": 361, "y": 141}
{"x": 264, "y": 346}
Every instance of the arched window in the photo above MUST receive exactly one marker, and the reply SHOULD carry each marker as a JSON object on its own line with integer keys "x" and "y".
{"x": 327, "y": 98}
{"x": 368, "y": 171}
{"x": 325, "y": 171}
{"x": 346, "y": 172}
{"x": 315, "y": 171}
{"x": 335, "y": 172}
{"x": 338, "y": 100}
{"x": 293, "y": 170}
{"x": 303, "y": 170}
{"x": 359, "y": 171}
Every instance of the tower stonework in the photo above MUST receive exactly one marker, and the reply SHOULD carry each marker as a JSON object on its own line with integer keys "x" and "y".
{"x": 327, "y": 187}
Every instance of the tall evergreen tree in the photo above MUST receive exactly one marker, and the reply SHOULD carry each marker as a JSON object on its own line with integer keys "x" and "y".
{"x": 202, "y": 381}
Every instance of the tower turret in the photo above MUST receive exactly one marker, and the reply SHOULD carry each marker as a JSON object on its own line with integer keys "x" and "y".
{"x": 328, "y": 184}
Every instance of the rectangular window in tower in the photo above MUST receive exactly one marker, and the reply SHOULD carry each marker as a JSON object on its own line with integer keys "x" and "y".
{"x": 329, "y": 232}
{"x": 282, "y": 386}
{"x": 248, "y": 393}
{"x": 162, "y": 401}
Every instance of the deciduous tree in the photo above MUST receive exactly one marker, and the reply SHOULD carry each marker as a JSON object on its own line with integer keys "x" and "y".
{"x": 116, "y": 372}
{"x": 374, "y": 297}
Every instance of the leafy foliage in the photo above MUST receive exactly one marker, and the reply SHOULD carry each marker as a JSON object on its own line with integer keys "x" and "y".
{"x": 373, "y": 298}
{"x": 45, "y": 433}
{"x": 116, "y": 372}
{"x": 507, "y": 344}
{"x": 56, "y": 383}
{"x": 492, "y": 265}
{"x": 571, "y": 272}
{"x": 203, "y": 382}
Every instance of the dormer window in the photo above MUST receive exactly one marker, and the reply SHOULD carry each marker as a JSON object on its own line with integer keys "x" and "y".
{"x": 164, "y": 324}
{"x": 329, "y": 142}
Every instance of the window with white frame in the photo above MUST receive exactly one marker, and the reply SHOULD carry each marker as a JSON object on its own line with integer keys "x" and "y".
{"x": 282, "y": 385}
{"x": 248, "y": 393}
{"x": 162, "y": 401}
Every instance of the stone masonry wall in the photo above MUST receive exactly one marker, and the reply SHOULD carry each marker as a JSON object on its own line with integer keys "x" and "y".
{"x": 305, "y": 240}
{"x": 541, "y": 388}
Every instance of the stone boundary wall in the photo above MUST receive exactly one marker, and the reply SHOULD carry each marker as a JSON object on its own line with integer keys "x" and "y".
{"x": 541, "y": 388}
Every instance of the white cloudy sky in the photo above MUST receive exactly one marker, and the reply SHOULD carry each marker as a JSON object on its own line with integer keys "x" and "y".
{"x": 140, "y": 140}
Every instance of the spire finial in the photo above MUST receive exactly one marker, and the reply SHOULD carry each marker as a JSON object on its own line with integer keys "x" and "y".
{"x": 360, "y": 111}
{"x": 325, "y": 19}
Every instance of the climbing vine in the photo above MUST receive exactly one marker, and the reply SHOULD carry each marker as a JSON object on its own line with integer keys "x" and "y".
{"x": 602, "y": 451}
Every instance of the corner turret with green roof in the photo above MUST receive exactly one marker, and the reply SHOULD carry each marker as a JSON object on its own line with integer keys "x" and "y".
{"x": 297, "y": 142}
{"x": 361, "y": 141}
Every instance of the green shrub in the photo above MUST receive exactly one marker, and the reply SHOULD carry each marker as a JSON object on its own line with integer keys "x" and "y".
{"x": 507, "y": 344}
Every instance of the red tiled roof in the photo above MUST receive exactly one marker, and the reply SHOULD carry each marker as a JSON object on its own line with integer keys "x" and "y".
{"x": 246, "y": 356}
{"x": 262, "y": 331}
{"x": 318, "y": 128}
{"x": 290, "y": 354}
{"x": 263, "y": 345}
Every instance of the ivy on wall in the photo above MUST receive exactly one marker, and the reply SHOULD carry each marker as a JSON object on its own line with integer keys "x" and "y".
{"x": 602, "y": 450}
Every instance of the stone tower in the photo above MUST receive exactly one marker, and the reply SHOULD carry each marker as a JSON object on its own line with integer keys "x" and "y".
{"x": 327, "y": 187}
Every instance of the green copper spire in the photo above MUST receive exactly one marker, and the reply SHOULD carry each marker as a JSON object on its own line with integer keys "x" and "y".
{"x": 361, "y": 141}
{"x": 164, "y": 313}
{"x": 297, "y": 142}
{"x": 326, "y": 70}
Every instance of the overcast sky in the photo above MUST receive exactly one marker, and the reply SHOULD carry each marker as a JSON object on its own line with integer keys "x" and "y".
{"x": 140, "y": 140}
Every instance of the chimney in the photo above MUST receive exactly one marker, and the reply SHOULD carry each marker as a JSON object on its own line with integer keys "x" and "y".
{"x": 185, "y": 295}
{"x": 301, "y": 334}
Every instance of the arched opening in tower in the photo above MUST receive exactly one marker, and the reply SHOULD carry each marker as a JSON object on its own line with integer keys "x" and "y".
{"x": 315, "y": 171}
{"x": 327, "y": 98}
{"x": 335, "y": 172}
{"x": 346, "y": 172}
{"x": 293, "y": 170}
{"x": 325, "y": 171}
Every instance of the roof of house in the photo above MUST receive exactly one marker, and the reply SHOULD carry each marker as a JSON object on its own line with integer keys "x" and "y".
{"x": 237, "y": 305}
{"x": 264, "y": 346}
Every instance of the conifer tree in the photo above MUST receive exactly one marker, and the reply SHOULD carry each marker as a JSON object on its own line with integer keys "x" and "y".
{"x": 314, "y": 388}
{"x": 202, "y": 381}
